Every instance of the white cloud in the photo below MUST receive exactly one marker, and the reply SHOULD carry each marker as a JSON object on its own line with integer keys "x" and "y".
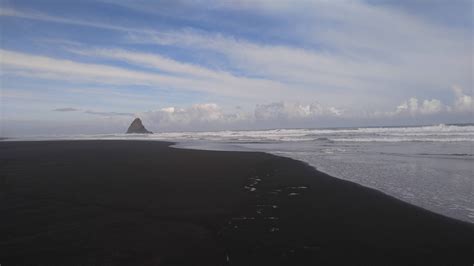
{"x": 210, "y": 116}
{"x": 294, "y": 111}
{"x": 196, "y": 117}
{"x": 431, "y": 106}
{"x": 426, "y": 107}
{"x": 463, "y": 102}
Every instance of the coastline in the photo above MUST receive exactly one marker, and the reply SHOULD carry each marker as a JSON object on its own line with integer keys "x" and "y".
{"x": 129, "y": 202}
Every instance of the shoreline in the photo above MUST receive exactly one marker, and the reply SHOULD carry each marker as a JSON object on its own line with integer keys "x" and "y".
{"x": 317, "y": 219}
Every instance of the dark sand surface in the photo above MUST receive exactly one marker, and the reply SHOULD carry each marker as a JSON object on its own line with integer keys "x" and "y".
{"x": 143, "y": 203}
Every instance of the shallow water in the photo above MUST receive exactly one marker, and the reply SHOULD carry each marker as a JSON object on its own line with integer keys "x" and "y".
{"x": 430, "y": 166}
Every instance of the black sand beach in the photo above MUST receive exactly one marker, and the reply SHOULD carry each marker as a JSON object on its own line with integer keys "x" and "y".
{"x": 143, "y": 203}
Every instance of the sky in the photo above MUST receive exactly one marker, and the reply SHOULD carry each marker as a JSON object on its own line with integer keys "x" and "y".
{"x": 87, "y": 67}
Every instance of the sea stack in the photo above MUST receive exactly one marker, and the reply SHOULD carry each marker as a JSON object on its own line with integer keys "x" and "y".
{"x": 137, "y": 127}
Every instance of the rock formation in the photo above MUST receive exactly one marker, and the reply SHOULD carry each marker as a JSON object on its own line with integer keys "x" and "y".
{"x": 137, "y": 127}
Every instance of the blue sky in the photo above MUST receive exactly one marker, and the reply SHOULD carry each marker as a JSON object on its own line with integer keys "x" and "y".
{"x": 91, "y": 66}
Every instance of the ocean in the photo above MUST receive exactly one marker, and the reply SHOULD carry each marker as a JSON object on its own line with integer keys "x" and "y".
{"x": 428, "y": 166}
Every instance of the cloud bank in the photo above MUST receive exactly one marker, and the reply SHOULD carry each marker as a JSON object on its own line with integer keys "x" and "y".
{"x": 210, "y": 116}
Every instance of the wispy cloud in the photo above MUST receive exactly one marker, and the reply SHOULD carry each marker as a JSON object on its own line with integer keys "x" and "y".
{"x": 10, "y": 12}
{"x": 91, "y": 112}
{"x": 370, "y": 51}
{"x": 224, "y": 82}
{"x": 66, "y": 109}
{"x": 59, "y": 69}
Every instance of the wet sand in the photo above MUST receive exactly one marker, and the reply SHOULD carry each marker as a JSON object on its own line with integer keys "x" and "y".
{"x": 143, "y": 203}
